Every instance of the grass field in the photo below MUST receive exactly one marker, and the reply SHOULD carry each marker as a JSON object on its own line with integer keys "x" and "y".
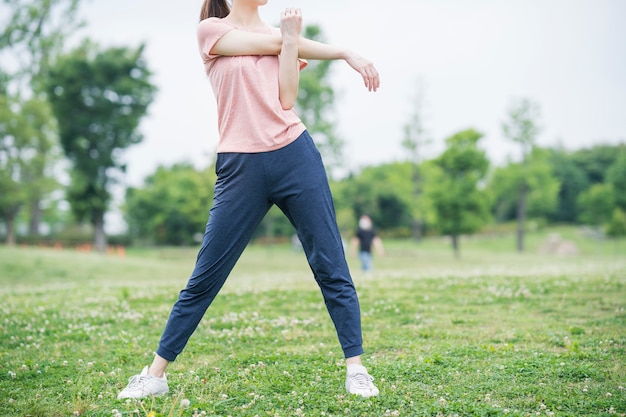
{"x": 495, "y": 333}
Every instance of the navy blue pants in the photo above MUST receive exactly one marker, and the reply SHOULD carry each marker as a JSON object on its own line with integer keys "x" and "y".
{"x": 248, "y": 184}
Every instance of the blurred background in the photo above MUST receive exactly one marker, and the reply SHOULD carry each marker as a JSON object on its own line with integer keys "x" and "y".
{"x": 492, "y": 117}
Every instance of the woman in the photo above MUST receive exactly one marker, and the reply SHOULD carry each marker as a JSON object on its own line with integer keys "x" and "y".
{"x": 265, "y": 157}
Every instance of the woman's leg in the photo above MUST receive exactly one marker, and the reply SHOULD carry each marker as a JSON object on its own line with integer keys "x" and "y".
{"x": 301, "y": 190}
{"x": 239, "y": 205}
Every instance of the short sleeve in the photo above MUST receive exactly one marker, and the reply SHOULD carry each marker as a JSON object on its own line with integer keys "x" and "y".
{"x": 209, "y": 32}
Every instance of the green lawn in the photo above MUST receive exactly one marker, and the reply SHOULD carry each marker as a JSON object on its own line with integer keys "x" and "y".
{"x": 495, "y": 333}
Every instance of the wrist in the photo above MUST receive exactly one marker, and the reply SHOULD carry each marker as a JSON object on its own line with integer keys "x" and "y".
{"x": 290, "y": 41}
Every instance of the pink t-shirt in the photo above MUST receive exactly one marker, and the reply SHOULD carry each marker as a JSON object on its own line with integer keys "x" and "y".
{"x": 250, "y": 117}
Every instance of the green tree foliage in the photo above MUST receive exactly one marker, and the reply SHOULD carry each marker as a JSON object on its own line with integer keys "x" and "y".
{"x": 596, "y": 160}
{"x": 536, "y": 175}
{"x": 26, "y": 148}
{"x": 596, "y": 205}
{"x": 522, "y": 129}
{"x": 616, "y": 176}
{"x": 12, "y": 196}
{"x": 315, "y": 106}
{"x": 461, "y": 206}
{"x": 383, "y": 192}
{"x": 36, "y": 129}
{"x": 617, "y": 225}
{"x": 98, "y": 98}
{"x": 573, "y": 180}
{"x": 32, "y": 34}
{"x": 172, "y": 206}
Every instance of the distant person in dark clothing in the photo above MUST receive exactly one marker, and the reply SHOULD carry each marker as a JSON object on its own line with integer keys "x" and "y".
{"x": 366, "y": 239}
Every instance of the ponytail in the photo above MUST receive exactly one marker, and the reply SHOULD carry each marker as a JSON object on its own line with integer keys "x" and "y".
{"x": 214, "y": 8}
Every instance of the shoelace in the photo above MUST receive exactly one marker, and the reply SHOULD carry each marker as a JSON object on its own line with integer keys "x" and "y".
{"x": 361, "y": 380}
{"x": 137, "y": 381}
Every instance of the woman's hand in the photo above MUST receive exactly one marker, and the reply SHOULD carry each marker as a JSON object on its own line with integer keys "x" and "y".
{"x": 365, "y": 68}
{"x": 291, "y": 23}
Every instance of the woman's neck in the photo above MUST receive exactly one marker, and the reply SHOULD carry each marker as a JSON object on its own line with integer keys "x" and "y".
{"x": 244, "y": 16}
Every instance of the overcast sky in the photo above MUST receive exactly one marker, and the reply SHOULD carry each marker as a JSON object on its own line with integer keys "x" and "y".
{"x": 473, "y": 57}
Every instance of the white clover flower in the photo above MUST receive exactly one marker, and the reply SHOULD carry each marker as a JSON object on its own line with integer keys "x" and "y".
{"x": 185, "y": 403}
{"x": 543, "y": 406}
{"x": 442, "y": 401}
{"x": 608, "y": 395}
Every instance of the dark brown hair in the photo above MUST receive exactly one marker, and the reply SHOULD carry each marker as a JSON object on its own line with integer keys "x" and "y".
{"x": 214, "y": 8}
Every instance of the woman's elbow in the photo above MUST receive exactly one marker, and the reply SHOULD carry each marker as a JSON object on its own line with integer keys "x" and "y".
{"x": 287, "y": 103}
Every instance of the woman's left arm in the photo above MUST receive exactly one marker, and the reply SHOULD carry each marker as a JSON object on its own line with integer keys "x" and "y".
{"x": 289, "y": 66}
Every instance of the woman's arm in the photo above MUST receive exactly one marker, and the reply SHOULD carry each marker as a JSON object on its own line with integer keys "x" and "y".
{"x": 239, "y": 42}
{"x": 289, "y": 67}
{"x": 316, "y": 50}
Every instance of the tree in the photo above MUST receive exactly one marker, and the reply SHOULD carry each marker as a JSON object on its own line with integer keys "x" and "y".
{"x": 522, "y": 129}
{"x": 25, "y": 135}
{"x": 573, "y": 180}
{"x": 596, "y": 160}
{"x": 172, "y": 205}
{"x": 536, "y": 175}
{"x": 415, "y": 138}
{"x": 98, "y": 98}
{"x": 382, "y": 192}
{"x": 617, "y": 225}
{"x": 616, "y": 176}
{"x": 12, "y": 196}
{"x": 596, "y": 205}
{"x": 461, "y": 206}
{"x": 32, "y": 35}
{"x": 315, "y": 103}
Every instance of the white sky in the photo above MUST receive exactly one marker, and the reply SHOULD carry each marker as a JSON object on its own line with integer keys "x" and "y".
{"x": 473, "y": 57}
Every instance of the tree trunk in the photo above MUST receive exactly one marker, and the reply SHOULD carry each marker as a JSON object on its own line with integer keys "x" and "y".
{"x": 10, "y": 222}
{"x": 100, "y": 239}
{"x": 455, "y": 246}
{"x": 417, "y": 230}
{"x": 35, "y": 219}
{"x": 521, "y": 217}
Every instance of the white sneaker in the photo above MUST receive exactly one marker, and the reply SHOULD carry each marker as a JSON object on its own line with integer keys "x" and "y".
{"x": 359, "y": 382}
{"x": 144, "y": 385}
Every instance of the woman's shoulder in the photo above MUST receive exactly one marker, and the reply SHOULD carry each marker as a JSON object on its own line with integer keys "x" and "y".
{"x": 213, "y": 26}
{"x": 213, "y": 22}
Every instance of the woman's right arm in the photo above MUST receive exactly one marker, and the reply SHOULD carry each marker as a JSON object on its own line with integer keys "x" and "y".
{"x": 239, "y": 42}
